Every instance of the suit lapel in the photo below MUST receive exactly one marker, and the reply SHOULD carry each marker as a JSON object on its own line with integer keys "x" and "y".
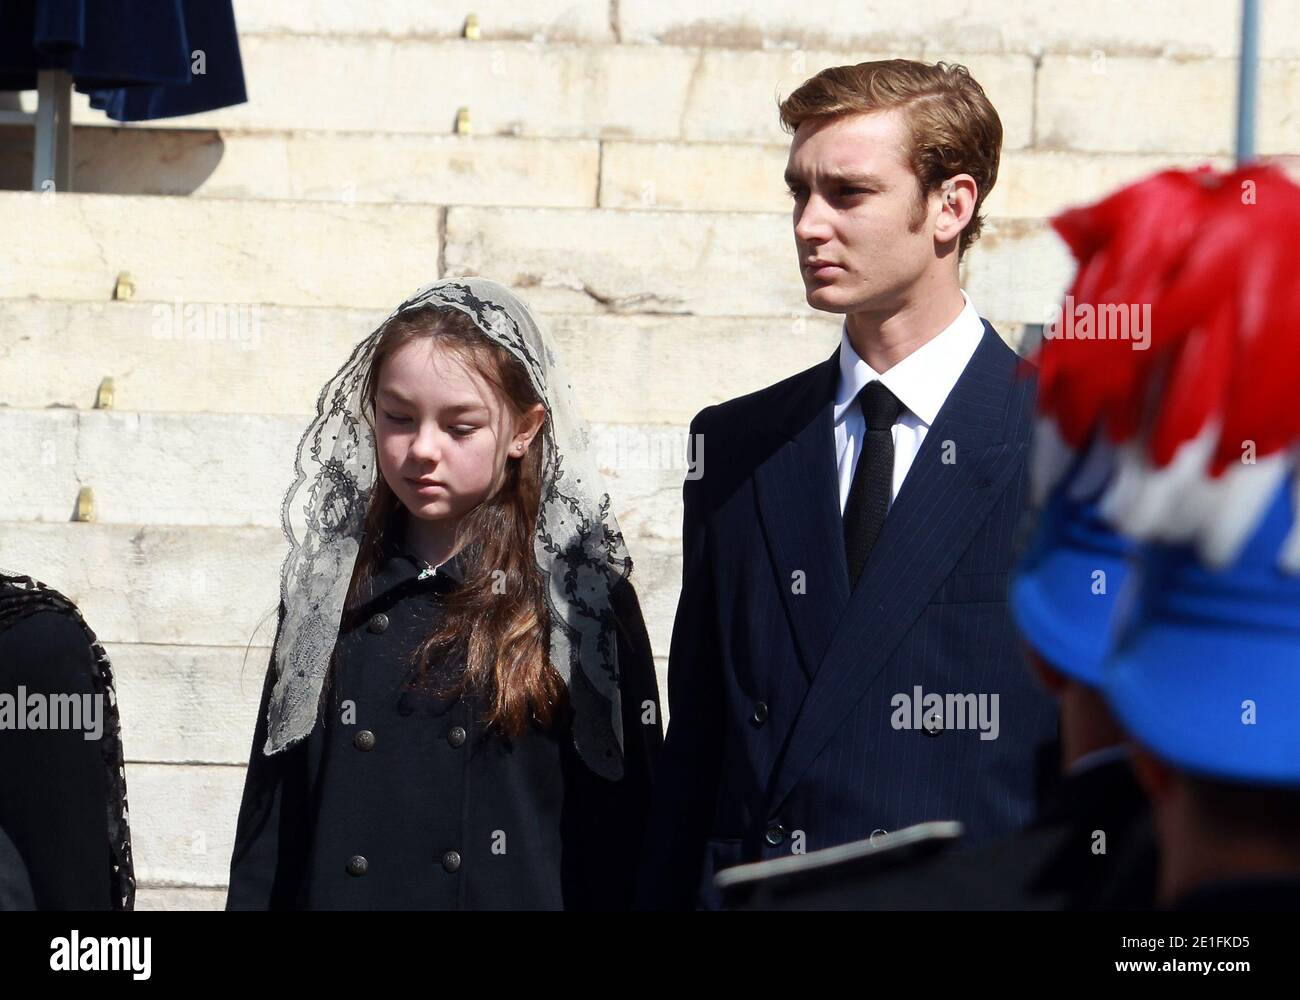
{"x": 962, "y": 468}
{"x": 798, "y": 499}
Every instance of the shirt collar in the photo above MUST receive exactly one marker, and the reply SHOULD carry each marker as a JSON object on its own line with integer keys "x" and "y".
{"x": 923, "y": 379}
{"x": 397, "y": 566}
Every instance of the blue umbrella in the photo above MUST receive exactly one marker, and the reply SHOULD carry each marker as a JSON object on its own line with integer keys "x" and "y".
{"x": 136, "y": 59}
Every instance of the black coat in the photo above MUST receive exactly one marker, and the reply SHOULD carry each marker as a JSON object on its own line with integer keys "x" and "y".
{"x": 412, "y": 804}
{"x": 15, "y": 885}
{"x": 54, "y": 791}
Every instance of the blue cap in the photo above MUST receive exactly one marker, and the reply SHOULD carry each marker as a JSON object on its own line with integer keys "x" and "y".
{"x": 1062, "y": 606}
{"x": 1206, "y": 668}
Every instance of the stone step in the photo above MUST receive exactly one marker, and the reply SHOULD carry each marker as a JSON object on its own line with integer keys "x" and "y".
{"x": 233, "y": 469}
{"x": 653, "y": 92}
{"x": 319, "y": 166}
{"x": 219, "y": 586}
{"x": 564, "y": 90}
{"x": 183, "y": 820}
{"x": 373, "y": 256}
{"x": 537, "y": 20}
{"x": 178, "y": 358}
{"x": 390, "y": 168}
{"x": 189, "y": 704}
{"x": 178, "y": 898}
{"x": 717, "y": 263}
{"x": 1078, "y": 98}
{"x": 740, "y": 177}
{"x": 1185, "y": 106}
{"x": 74, "y": 246}
{"x": 935, "y": 28}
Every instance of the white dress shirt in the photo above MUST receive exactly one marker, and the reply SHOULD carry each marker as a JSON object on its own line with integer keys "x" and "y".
{"x": 921, "y": 381}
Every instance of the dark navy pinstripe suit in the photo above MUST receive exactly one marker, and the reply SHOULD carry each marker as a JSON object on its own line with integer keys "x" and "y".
{"x": 779, "y": 733}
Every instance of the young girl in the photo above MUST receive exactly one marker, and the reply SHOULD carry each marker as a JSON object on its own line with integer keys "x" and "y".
{"x": 461, "y": 709}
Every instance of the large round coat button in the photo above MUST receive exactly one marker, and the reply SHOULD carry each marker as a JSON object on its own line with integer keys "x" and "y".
{"x": 457, "y": 736}
{"x": 760, "y": 713}
{"x": 357, "y": 865}
{"x": 364, "y": 740}
{"x": 378, "y": 623}
{"x": 451, "y": 861}
{"x": 775, "y": 834}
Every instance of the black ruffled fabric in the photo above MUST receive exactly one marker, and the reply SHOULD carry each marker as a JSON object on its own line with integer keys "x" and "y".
{"x": 22, "y": 598}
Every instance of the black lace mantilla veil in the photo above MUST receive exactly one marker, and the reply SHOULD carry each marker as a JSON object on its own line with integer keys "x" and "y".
{"x": 21, "y": 597}
{"x": 577, "y": 543}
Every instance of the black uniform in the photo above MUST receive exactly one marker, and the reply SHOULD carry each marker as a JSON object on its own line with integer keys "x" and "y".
{"x": 1050, "y": 865}
{"x": 1276, "y": 893}
{"x": 414, "y": 805}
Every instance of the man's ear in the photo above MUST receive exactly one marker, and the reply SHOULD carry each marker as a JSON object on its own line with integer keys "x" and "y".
{"x": 957, "y": 197}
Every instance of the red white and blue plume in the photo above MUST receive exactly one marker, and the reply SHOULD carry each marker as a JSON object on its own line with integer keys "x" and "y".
{"x": 1177, "y": 352}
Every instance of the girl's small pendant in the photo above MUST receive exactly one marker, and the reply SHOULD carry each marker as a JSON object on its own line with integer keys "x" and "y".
{"x": 427, "y": 572}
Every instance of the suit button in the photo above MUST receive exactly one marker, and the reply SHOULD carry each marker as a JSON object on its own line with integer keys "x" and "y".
{"x": 457, "y": 736}
{"x": 876, "y": 835}
{"x": 364, "y": 740}
{"x": 378, "y": 623}
{"x": 760, "y": 713}
{"x": 451, "y": 861}
{"x": 933, "y": 726}
{"x": 775, "y": 834}
{"x": 357, "y": 865}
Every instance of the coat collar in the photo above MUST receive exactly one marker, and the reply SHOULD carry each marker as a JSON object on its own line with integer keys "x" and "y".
{"x": 399, "y": 566}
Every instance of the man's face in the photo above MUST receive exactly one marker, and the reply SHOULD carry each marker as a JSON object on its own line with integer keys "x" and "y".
{"x": 858, "y": 213}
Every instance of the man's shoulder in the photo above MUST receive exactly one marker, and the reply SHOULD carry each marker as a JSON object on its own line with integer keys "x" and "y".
{"x": 1023, "y": 357}
{"x": 757, "y": 407}
{"x": 1007, "y": 365}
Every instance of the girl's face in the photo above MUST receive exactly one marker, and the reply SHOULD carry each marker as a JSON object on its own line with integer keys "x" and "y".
{"x": 442, "y": 432}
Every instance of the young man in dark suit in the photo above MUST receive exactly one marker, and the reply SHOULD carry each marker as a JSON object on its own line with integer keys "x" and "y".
{"x": 842, "y": 660}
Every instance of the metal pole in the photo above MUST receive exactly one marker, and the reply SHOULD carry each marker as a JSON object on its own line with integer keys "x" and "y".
{"x": 52, "y": 149}
{"x": 43, "y": 150}
{"x": 1247, "y": 80}
{"x": 63, "y": 132}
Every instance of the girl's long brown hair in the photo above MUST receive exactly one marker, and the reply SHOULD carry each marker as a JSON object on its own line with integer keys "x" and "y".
{"x": 497, "y": 622}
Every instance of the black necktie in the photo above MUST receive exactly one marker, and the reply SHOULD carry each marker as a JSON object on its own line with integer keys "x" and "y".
{"x": 868, "y": 502}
